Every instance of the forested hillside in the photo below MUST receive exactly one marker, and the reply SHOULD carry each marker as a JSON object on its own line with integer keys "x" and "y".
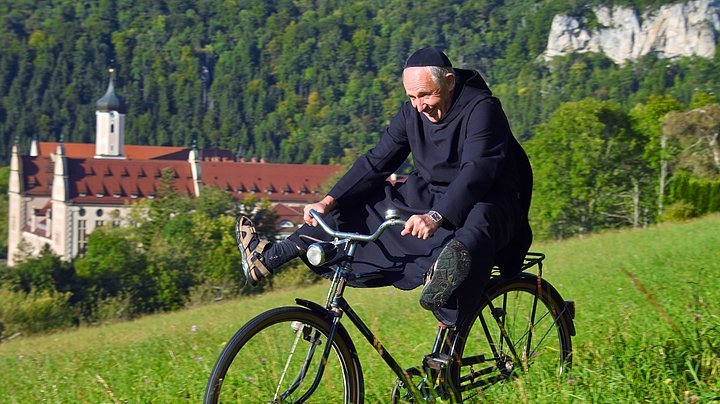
{"x": 291, "y": 81}
{"x": 316, "y": 81}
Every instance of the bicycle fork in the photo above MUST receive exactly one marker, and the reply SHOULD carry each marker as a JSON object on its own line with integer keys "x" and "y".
{"x": 336, "y": 290}
{"x": 314, "y": 340}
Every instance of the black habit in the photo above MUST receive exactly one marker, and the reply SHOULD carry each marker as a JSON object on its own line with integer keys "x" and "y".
{"x": 468, "y": 167}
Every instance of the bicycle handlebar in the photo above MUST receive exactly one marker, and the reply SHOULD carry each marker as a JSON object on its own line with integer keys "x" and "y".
{"x": 355, "y": 236}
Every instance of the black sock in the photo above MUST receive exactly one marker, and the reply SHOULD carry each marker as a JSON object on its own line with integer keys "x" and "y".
{"x": 280, "y": 253}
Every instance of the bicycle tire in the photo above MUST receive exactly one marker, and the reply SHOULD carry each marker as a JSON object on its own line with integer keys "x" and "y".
{"x": 549, "y": 349}
{"x": 250, "y": 367}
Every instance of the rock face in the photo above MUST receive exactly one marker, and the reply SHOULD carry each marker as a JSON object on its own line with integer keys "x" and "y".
{"x": 682, "y": 29}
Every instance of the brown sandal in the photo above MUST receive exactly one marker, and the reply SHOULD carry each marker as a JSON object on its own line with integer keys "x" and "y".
{"x": 252, "y": 260}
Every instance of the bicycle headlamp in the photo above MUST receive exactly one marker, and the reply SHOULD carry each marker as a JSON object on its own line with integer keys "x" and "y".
{"x": 320, "y": 253}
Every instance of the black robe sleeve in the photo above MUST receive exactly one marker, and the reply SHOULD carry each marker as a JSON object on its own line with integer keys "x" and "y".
{"x": 373, "y": 168}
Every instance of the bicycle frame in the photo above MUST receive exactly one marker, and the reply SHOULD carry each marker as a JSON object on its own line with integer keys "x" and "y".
{"x": 435, "y": 367}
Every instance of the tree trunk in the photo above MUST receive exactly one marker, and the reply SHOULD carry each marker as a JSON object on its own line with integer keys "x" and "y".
{"x": 663, "y": 174}
{"x": 715, "y": 148}
{"x": 636, "y": 203}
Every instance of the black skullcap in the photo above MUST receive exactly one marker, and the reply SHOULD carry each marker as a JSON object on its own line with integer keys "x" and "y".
{"x": 428, "y": 57}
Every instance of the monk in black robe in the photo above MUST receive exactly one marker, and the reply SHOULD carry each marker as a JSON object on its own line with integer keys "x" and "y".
{"x": 466, "y": 201}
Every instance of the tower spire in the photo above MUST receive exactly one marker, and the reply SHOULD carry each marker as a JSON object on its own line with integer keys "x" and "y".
{"x": 110, "y": 118}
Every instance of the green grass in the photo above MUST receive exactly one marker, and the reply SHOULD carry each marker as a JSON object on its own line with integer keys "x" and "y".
{"x": 647, "y": 320}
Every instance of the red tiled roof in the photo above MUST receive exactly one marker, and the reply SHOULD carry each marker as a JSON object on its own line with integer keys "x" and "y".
{"x": 277, "y": 182}
{"x": 108, "y": 181}
{"x": 117, "y": 181}
{"x": 37, "y": 175}
{"x": 284, "y": 210}
{"x": 87, "y": 150}
{"x": 41, "y": 229}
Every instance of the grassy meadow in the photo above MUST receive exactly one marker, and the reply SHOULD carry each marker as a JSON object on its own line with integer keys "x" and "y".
{"x": 647, "y": 319}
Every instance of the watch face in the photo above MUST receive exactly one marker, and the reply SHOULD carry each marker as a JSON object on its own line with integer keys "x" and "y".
{"x": 435, "y": 216}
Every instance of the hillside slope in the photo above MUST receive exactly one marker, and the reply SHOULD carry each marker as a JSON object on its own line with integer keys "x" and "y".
{"x": 647, "y": 319}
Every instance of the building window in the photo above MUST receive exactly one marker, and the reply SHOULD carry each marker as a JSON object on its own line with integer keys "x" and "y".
{"x": 99, "y": 223}
{"x": 82, "y": 237}
{"x": 99, "y": 213}
{"x": 285, "y": 224}
{"x": 82, "y": 211}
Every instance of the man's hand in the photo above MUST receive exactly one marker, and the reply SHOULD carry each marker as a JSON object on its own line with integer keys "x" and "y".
{"x": 420, "y": 226}
{"x": 323, "y": 207}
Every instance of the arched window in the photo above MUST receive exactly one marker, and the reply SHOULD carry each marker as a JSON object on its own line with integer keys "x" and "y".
{"x": 286, "y": 224}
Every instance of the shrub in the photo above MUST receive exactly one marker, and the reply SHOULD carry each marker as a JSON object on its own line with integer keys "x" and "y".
{"x": 33, "y": 312}
{"x": 293, "y": 274}
{"x": 112, "y": 309}
{"x": 679, "y": 212}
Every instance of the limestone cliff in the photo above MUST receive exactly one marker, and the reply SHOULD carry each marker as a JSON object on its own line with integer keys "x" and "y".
{"x": 682, "y": 29}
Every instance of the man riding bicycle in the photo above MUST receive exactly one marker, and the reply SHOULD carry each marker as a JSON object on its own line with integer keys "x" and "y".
{"x": 467, "y": 197}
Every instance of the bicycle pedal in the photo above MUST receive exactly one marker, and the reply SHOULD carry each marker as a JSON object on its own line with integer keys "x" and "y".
{"x": 437, "y": 361}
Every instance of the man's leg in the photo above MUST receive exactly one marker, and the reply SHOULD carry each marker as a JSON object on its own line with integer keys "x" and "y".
{"x": 449, "y": 271}
{"x": 487, "y": 227}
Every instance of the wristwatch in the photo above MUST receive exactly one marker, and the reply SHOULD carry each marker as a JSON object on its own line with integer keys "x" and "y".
{"x": 436, "y": 217}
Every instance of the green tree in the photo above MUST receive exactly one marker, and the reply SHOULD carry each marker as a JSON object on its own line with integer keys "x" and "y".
{"x": 214, "y": 202}
{"x": 113, "y": 267}
{"x": 171, "y": 261}
{"x": 262, "y": 214}
{"x": 586, "y": 160}
{"x": 647, "y": 119}
{"x": 44, "y": 273}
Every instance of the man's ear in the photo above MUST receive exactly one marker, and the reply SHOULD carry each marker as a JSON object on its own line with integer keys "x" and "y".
{"x": 450, "y": 81}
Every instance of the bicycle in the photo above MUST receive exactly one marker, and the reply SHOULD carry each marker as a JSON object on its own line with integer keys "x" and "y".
{"x": 283, "y": 354}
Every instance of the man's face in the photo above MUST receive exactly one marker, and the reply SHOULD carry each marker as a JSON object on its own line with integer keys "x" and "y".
{"x": 426, "y": 96}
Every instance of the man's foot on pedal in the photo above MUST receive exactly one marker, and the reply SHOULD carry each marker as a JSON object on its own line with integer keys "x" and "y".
{"x": 251, "y": 248}
{"x": 448, "y": 272}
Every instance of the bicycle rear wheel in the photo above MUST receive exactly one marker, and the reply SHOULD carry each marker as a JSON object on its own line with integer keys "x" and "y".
{"x": 520, "y": 328}
{"x": 275, "y": 357}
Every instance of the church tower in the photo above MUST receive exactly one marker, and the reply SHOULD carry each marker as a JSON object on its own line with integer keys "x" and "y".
{"x": 110, "y": 121}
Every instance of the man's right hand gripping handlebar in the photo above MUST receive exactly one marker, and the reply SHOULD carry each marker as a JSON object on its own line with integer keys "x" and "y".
{"x": 325, "y": 206}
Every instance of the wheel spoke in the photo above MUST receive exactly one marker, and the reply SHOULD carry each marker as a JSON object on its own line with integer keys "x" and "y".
{"x": 274, "y": 358}
{"x": 516, "y": 332}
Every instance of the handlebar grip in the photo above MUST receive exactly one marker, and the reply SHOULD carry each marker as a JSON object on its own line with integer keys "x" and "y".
{"x": 315, "y": 214}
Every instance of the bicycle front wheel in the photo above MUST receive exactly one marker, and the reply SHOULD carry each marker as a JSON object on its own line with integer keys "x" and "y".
{"x": 522, "y": 327}
{"x": 276, "y": 356}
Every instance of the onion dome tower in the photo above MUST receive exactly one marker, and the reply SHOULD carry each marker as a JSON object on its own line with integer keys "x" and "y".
{"x": 110, "y": 118}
